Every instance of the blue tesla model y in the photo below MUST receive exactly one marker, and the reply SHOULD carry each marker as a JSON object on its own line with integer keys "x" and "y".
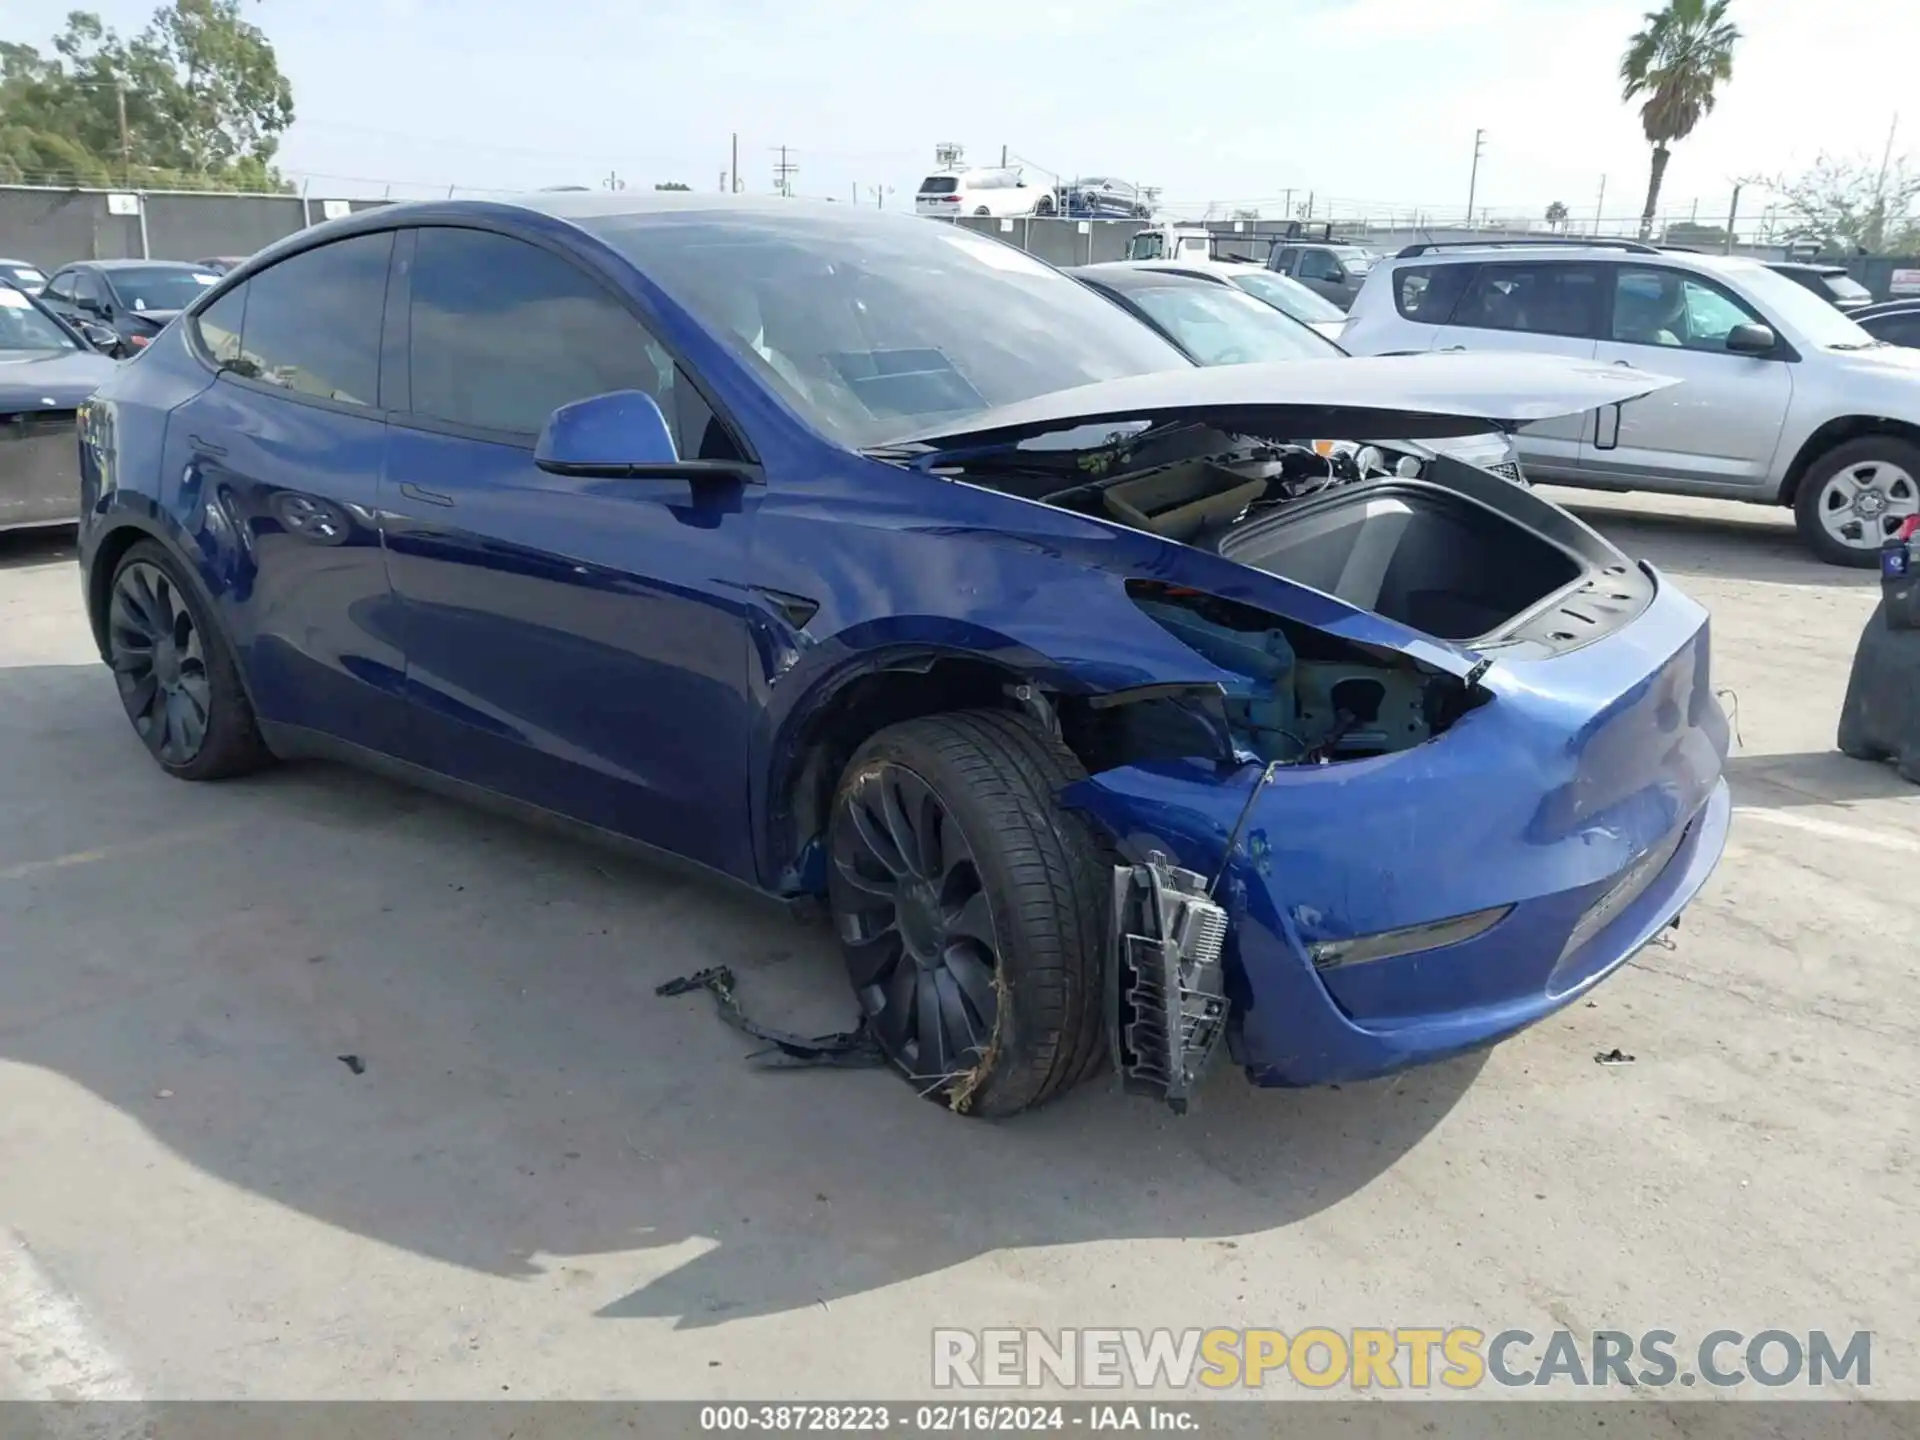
{"x": 1121, "y": 712}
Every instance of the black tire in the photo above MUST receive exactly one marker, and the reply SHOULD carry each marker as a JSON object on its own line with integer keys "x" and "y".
{"x": 175, "y": 671}
{"x": 982, "y": 210}
{"x": 1887, "y": 452}
{"x": 1043, "y": 208}
{"x": 992, "y": 776}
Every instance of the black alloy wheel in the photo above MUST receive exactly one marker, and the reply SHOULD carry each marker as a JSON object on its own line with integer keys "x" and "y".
{"x": 175, "y": 671}
{"x": 160, "y": 664}
{"x": 916, "y": 924}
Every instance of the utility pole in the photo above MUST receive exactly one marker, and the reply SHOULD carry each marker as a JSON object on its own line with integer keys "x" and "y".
{"x": 1473, "y": 176}
{"x": 721, "y": 185}
{"x": 1003, "y": 157}
{"x": 733, "y": 168}
{"x": 613, "y": 181}
{"x": 1733, "y": 214}
{"x": 784, "y": 172}
{"x": 126, "y": 137}
{"x": 854, "y": 186}
{"x": 1600, "y": 207}
{"x": 1877, "y": 233}
{"x": 880, "y": 193}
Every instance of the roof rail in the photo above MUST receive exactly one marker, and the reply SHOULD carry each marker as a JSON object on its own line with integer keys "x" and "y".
{"x": 1637, "y": 247}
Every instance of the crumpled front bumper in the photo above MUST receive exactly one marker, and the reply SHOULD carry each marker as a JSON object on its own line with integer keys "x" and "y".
{"x": 1580, "y": 768}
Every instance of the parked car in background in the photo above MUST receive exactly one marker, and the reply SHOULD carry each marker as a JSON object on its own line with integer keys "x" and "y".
{"x": 1786, "y": 401}
{"x": 982, "y": 192}
{"x": 1100, "y": 197}
{"x": 1897, "y": 322}
{"x": 221, "y": 264}
{"x": 1831, "y": 283}
{"x": 1286, "y": 295}
{"x": 46, "y": 372}
{"x": 1215, "y": 322}
{"x": 879, "y": 562}
{"x": 1333, "y": 272}
{"x": 133, "y": 298}
{"x": 1168, "y": 241}
{"x": 22, "y": 275}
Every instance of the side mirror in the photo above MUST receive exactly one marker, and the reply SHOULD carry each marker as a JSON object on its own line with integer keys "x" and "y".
{"x": 607, "y": 435}
{"x": 1751, "y": 339}
{"x": 100, "y": 337}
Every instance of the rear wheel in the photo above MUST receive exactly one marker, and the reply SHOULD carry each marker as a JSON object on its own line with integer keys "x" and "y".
{"x": 982, "y": 210}
{"x": 971, "y": 908}
{"x": 1853, "y": 498}
{"x": 175, "y": 673}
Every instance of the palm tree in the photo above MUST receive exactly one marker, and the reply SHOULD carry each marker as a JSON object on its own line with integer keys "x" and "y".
{"x": 1675, "y": 61}
{"x": 1556, "y": 214}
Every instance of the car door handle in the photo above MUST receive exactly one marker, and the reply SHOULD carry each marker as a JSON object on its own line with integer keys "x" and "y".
{"x": 1625, "y": 364}
{"x": 429, "y": 497}
{"x": 1451, "y": 349}
{"x": 205, "y": 447}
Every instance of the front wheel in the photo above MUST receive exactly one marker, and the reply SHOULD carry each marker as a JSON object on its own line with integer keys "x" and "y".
{"x": 982, "y": 210}
{"x": 971, "y": 908}
{"x": 1853, "y": 499}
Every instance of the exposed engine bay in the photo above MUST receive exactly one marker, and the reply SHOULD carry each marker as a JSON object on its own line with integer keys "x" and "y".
{"x": 1447, "y": 549}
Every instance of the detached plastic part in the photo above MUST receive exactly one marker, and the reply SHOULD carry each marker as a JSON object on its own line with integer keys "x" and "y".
{"x": 1166, "y": 987}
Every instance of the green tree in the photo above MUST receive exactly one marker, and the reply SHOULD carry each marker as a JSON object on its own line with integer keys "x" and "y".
{"x": 203, "y": 98}
{"x": 1672, "y": 65}
{"x": 1852, "y": 204}
{"x": 1556, "y": 214}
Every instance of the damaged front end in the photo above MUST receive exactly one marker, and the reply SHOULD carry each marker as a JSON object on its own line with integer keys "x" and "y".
{"x": 1166, "y": 983}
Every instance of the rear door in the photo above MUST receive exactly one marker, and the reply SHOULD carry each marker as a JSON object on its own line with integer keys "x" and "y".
{"x": 1715, "y": 433}
{"x": 1550, "y": 307}
{"x": 280, "y": 459}
{"x": 579, "y": 644}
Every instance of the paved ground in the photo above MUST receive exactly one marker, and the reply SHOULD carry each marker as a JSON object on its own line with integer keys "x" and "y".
{"x": 547, "y": 1182}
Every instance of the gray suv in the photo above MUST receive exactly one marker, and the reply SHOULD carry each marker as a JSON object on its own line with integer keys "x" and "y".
{"x": 1335, "y": 272}
{"x": 1785, "y": 400}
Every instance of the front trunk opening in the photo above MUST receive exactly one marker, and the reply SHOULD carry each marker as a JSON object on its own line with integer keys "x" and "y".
{"x": 1413, "y": 553}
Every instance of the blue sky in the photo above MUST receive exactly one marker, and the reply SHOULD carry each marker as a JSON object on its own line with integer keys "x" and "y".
{"x": 1370, "y": 102}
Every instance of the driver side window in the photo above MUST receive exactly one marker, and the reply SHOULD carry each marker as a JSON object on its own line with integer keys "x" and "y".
{"x": 89, "y": 293}
{"x": 1667, "y": 307}
{"x": 1318, "y": 265}
{"x": 61, "y": 286}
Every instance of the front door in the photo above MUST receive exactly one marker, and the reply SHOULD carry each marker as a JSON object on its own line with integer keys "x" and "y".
{"x": 285, "y": 450}
{"x": 578, "y": 644}
{"x": 1545, "y": 307}
{"x": 1716, "y": 432}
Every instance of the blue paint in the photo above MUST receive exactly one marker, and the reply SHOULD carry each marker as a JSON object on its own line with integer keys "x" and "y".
{"x": 614, "y": 647}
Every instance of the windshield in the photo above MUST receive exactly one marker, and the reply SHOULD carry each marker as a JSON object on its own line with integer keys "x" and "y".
{"x": 1289, "y": 296}
{"x": 1811, "y": 315}
{"x": 160, "y": 287}
{"x": 1357, "y": 262}
{"x": 1219, "y": 325}
{"x": 24, "y": 276}
{"x": 24, "y": 327}
{"x": 881, "y": 327}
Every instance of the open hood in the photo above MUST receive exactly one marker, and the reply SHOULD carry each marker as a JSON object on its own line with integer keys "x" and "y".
{"x": 1412, "y": 397}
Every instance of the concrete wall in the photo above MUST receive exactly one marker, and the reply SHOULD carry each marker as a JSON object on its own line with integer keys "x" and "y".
{"x": 50, "y": 227}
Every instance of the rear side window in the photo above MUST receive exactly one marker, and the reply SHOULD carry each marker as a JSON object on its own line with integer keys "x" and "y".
{"x": 939, "y": 185}
{"x": 61, "y": 286}
{"x": 1543, "y": 298}
{"x": 1428, "y": 293}
{"x": 312, "y": 322}
{"x": 1845, "y": 287}
{"x": 504, "y": 333}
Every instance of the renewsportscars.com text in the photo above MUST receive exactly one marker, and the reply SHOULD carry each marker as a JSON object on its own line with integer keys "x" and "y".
{"x": 1397, "y": 1358}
